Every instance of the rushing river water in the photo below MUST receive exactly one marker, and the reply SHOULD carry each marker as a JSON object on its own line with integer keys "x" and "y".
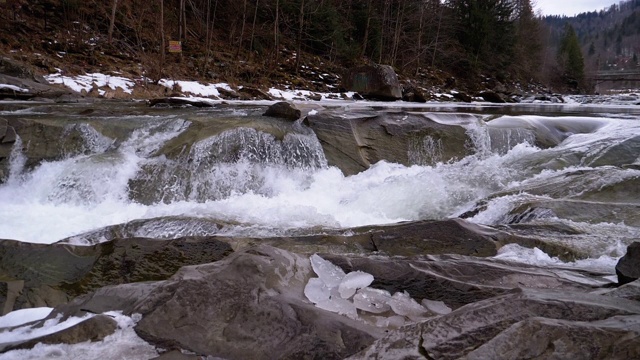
{"x": 582, "y": 189}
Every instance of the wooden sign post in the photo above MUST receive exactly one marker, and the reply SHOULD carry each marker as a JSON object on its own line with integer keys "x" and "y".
{"x": 175, "y": 46}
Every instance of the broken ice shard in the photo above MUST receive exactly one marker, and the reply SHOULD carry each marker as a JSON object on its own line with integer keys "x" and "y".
{"x": 330, "y": 274}
{"x": 353, "y": 281}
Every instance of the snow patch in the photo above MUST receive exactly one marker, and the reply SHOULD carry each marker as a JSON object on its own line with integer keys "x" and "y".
{"x": 13, "y": 88}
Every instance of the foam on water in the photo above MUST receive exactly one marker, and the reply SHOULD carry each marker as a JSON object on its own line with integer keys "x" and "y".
{"x": 275, "y": 185}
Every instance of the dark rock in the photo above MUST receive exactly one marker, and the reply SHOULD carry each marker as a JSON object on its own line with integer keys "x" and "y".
{"x": 628, "y": 267}
{"x": 249, "y": 306}
{"x": 541, "y": 338}
{"x": 176, "y": 101}
{"x": 315, "y": 97}
{"x": 356, "y": 140}
{"x": 357, "y": 96}
{"x": 3, "y": 127}
{"x": 460, "y": 332}
{"x": 177, "y": 355}
{"x": 95, "y": 328}
{"x": 375, "y": 82}
{"x": 13, "y": 68}
{"x": 460, "y": 280}
{"x": 461, "y": 96}
{"x": 629, "y": 291}
{"x": 284, "y": 110}
{"x": 492, "y": 97}
{"x": 228, "y": 94}
{"x": 55, "y": 273}
{"x": 413, "y": 94}
{"x": 10, "y": 135}
{"x": 454, "y": 236}
{"x": 249, "y": 93}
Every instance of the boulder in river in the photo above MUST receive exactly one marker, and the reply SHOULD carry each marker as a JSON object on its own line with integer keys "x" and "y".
{"x": 284, "y": 110}
{"x": 374, "y": 82}
{"x": 628, "y": 267}
{"x": 355, "y": 140}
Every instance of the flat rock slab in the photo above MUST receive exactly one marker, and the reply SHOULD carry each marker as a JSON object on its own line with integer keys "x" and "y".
{"x": 58, "y": 272}
{"x": 248, "y": 306}
{"x": 460, "y": 332}
{"x": 461, "y": 280}
{"x": 616, "y": 338}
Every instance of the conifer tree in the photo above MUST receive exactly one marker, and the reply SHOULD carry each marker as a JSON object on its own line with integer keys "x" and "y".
{"x": 570, "y": 58}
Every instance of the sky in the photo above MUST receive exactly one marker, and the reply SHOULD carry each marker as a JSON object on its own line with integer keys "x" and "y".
{"x": 571, "y": 7}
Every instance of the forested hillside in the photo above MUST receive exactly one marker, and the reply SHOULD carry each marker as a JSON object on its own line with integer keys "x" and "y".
{"x": 454, "y": 43}
{"x": 609, "y": 39}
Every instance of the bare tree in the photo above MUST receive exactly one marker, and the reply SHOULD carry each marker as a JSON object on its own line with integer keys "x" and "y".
{"x": 112, "y": 21}
{"x": 365, "y": 39}
{"x": 253, "y": 27}
{"x": 300, "y": 29}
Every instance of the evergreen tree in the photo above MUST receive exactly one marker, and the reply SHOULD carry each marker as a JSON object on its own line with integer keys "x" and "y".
{"x": 570, "y": 58}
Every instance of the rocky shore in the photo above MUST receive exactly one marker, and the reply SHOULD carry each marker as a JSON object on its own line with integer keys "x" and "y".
{"x": 242, "y": 297}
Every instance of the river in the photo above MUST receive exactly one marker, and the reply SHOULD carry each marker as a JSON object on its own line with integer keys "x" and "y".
{"x": 126, "y": 165}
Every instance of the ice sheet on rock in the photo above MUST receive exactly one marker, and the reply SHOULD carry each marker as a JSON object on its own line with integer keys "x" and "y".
{"x": 316, "y": 291}
{"x": 372, "y": 300}
{"x": 436, "y": 307}
{"x": 353, "y": 281}
{"x": 329, "y": 273}
{"x": 340, "y": 306}
{"x": 402, "y": 304}
{"x": 23, "y": 316}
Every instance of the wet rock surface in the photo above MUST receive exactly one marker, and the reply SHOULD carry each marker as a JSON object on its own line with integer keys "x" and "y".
{"x": 628, "y": 268}
{"x": 458, "y": 333}
{"x": 250, "y": 305}
{"x": 95, "y": 328}
{"x": 375, "y": 82}
{"x": 355, "y": 140}
{"x": 53, "y": 274}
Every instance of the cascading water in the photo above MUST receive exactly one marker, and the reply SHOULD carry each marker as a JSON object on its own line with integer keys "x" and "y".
{"x": 248, "y": 181}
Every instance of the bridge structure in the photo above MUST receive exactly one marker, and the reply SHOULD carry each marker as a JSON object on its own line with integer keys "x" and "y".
{"x": 615, "y": 75}
{"x": 615, "y": 80}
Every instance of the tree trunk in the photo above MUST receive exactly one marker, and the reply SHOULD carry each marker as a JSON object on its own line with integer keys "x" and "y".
{"x": 275, "y": 33}
{"x": 365, "y": 40}
{"x": 253, "y": 27}
{"x": 112, "y": 21}
{"x": 382, "y": 28}
{"x": 244, "y": 17}
{"x": 435, "y": 47}
{"x": 420, "y": 31}
{"x": 162, "y": 37}
{"x": 396, "y": 34}
{"x": 299, "y": 52}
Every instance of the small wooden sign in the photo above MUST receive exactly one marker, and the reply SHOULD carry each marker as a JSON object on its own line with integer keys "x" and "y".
{"x": 175, "y": 46}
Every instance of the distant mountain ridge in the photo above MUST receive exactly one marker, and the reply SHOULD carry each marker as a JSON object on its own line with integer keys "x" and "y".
{"x": 610, "y": 39}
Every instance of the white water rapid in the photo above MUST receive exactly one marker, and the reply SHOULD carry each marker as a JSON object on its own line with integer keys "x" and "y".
{"x": 277, "y": 186}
